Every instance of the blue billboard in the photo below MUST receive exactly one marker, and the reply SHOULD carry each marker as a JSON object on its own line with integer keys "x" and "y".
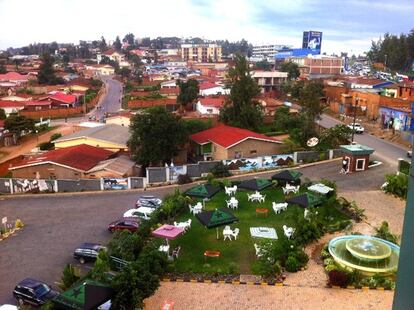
{"x": 312, "y": 40}
{"x": 295, "y": 52}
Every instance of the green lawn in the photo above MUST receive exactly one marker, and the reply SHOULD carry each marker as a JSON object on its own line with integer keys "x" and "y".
{"x": 236, "y": 255}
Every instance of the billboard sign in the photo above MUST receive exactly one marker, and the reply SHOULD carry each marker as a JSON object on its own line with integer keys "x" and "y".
{"x": 295, "y": 52}
{"x": 312, "y": 40}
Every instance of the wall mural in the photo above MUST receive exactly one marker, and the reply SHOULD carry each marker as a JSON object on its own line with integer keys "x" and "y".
{"x": 262, "y": 162}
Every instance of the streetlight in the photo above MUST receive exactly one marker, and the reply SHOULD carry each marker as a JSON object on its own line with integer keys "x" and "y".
{"x": 353, "y": 124}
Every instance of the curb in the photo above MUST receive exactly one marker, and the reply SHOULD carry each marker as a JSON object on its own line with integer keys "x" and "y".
{"x": 234, "y": 282}
{"x": 361, "y": 288}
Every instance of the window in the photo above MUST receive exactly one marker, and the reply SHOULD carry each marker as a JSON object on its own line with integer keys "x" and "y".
{"x": 253, "y": 152}
{"x": 238, "y": 154}
{"x": 360, "y": 163}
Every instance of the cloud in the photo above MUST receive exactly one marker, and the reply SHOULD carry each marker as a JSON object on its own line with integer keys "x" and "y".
{"x": 346, "y": 25}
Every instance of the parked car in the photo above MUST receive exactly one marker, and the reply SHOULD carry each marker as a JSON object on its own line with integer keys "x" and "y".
{"x": 88, "y": 252}
{"x": 123, "y": 225}
{"x": 139, "y": 213}
{"x": 409, "y": 154}
{"x": 8, "y": 307}
{"x": 356, "y": 127}
{"x": 33, "y": 292}
{"x": 148, "y": 201}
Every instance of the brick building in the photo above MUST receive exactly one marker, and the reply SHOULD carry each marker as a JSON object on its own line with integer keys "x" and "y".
{"x": 201, "y": 52}
{"x": 318, "y": 65}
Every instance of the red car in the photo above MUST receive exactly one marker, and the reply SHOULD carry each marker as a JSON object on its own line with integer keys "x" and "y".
{"x": 123, "y": 225}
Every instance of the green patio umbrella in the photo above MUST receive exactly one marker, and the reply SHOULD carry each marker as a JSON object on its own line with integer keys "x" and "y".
{"x": 216, "y": 218}
{"x": 255, "y": 184}
{"x": 290, "y": 176}
{"x": 203, "y": 191}
{"x": 305, "y": 200}
{"x": 87, "y": 295}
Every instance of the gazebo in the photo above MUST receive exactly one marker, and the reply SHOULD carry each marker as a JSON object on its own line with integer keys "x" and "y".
{"x": 203, "y": 191}
{"x": 255, "y": 184}
{"x": 288, "y": 176}
{"x": 306, "y": 200}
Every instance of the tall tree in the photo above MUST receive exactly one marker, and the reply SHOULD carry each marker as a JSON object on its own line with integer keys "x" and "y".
{"x": 263, "y": 65}
{"x": 2, "y": 114}
{"x": 3, "y": 69}
{"x": 156, "y": 136}
{"x": 188, "y": 92}
{"x": 102, "y": 44}
{"x": 117, "y": 44}
{"x": 292, "y": 70}
{"x": 129, "y": 38}
{"x": 46, "y": 73}
{"x": 241, "y": 109}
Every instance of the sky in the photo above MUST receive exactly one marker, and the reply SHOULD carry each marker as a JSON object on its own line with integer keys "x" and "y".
{"x": 347, "y": 25}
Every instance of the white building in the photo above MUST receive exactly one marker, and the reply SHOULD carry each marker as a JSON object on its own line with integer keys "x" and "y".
{"x": 210, "y": 89}
{"x": 261, "y": 52}
{"x": 209, "y": 106}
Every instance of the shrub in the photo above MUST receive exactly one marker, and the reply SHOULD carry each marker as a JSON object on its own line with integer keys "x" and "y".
{"x": 220, "y": 170}
{"x": 46, "y": 146}
{"x": 292, "y": 264}
{"x": 354, "y": 277}
{"x": 338, "y": 278}
{"x": 18, "y": 224}
{"x": 267, "y": 268}
{"x": 351, "y": 208}
{"x": 325, "y": 252}
{"x": 383, "y": 232}
{"x": 396, "y": 184}
{"x": 184, "y": 179}
{"x": 69, "y": 277}
{"x": 331, "y": 267}
{"x": 55, "y": 136}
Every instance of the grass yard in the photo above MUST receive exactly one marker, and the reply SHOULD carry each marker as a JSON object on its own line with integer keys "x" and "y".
{"x": 237, "y": 256}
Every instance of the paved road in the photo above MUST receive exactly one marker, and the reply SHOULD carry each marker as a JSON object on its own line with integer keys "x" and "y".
{"x": 110, "y": 102}
{"x": 56, "y": 224}
{"x": 385, "y": 150}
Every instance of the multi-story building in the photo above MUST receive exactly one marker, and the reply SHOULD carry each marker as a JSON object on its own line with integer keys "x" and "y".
{"x": 201, "y": 52}
{"x": 318, "y": 65}
{"x": 269, "y": 80}
{"x": 261, "y": 52}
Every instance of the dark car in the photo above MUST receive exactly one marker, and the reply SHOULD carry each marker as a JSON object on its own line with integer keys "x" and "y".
{"x": 33, "y": 292}
{"x": 148, "y": 201}
{"x": 123, "y": 225}
{"x": 87, "y": 252}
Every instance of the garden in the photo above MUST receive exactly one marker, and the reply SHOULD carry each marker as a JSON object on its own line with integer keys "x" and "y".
{"x": 251, "y": 255}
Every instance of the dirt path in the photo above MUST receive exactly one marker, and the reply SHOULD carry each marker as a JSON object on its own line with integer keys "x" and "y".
{"x": 32, "y": 142}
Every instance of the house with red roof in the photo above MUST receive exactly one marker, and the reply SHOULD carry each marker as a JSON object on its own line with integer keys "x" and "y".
{"x": 226, "y": 142}
{"x": 66, "y": 163}
{"x": 209, "y": 105}
{"x": 61, "y": 99}
{"x": 210, "y": 89}
{"x": 15, "y": 77}
{"x": 10, "y": 106}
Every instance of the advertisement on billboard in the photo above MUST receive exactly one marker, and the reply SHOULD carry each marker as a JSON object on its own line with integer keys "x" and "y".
{"x": 312, "y": 40}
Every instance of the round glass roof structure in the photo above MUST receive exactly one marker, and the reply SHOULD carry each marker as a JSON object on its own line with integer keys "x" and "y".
{"x": 367, "y": 254}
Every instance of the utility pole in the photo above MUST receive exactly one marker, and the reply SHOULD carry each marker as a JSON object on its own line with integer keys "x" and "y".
{"x": 353, "y": 124}
{"x": 403, "y": 296}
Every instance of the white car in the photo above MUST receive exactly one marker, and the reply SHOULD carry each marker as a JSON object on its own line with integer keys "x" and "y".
{"x": 356, "y": 127}
{"x": 141, "y": 212}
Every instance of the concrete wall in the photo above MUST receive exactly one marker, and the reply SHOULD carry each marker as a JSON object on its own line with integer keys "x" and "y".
{"x": 5, "y": 185}
{"x": 307, "y": 157}
{"x": 79, "y": 185}
{"x": 137, "y": 182}
{"x": 156, "y": 174}
{"x": 193, "y": 170}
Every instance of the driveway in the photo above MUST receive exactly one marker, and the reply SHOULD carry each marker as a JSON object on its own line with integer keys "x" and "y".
{"x": 57, "y": 224}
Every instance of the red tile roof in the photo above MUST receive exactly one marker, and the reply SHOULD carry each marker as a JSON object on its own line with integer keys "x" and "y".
{"x": 37, "y": 103}
{"x": 62, "y": 97}
{"x": 11, "y": 104}
{"x": 13, "y": 76}
{"x": 227, "y": 136}
{"x": 212, "y": 102}
{"x": 207, "y": 85}
{"x": 81, "y": 157}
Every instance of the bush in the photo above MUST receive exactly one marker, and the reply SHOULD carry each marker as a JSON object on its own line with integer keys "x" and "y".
{"x": 184, "y": 179}
{"x": 396, "y": 184}
{"x": 55, "y": 136}
{"x": 220, "y": 170}
{"x": 46, "y": 146}
{"x": 351, "y": 209}
{"x": 18, "y": 224}
{"x": 338, "y": 278}
{"x": 292, "y": 264}
{"x": 267, "y": 268}
{"x": 383, "y": 232}
{"x": 69, "y": 277}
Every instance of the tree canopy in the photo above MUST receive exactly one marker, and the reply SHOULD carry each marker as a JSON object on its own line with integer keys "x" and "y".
{"x": 188, "y": 91}
{"x": 397, "y": 52}
{"x": 292, "y": 70}
{"x": 2, "y": 114}
{"x": 46, "y": 73}
{"x": 129, "y": 38}
{"x": 17, "y": 124}
{"x": 117, "y": 44}
{"x": 263, "y": 65}
{"x": 156, "y": 136}
{"x": 240, "y": 109}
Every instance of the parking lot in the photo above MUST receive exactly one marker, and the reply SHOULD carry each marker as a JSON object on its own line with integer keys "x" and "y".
{"x": 57, "y": 224}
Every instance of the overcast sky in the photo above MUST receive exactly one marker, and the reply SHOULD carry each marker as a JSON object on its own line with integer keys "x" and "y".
{"x": 347, "y": 25}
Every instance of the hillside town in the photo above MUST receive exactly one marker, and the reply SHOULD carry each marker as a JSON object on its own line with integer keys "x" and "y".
{"x": 167, "y": 172}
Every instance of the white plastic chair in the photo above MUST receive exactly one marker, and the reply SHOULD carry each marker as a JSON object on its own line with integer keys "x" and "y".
{"x": 258, "y": 250}
{"x": 250, "y": 197}
{"x": 262, "y": 198}
{"x": 191, "y": 209}
{"x": 235, "y": 233}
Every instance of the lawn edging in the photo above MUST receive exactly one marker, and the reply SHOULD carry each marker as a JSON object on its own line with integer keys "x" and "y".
{"x": 263, "y": 283}
{"x": 363, "y": 288}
